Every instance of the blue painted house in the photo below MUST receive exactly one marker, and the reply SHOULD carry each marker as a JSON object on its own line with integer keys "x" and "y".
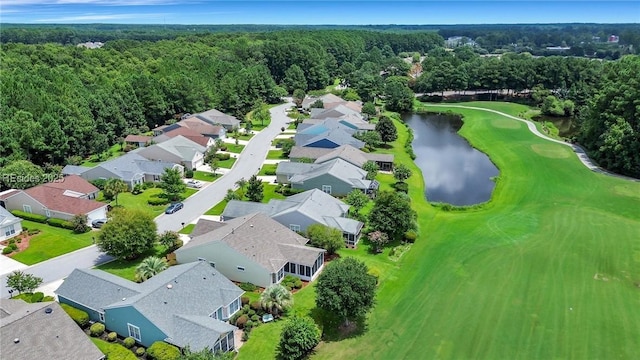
{"x": 185, "y": 305}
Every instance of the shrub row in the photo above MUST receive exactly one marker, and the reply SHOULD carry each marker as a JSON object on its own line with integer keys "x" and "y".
{"x": 96, "y": 329}
{"x": 160, "y": 350}
{"x": 157, "y": 201}
{"x": 247, "y": 286}
{"x": 223, "y": 156}
{"x": 29, "y": 216}
{"x": 291, "y": 282}
{"x": 407, "y": 145}
{"x": 61, "y": 223}
{"x": 80, "y": 317}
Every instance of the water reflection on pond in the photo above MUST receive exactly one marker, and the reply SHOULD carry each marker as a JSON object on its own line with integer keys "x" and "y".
{"x": 454, "y": 172}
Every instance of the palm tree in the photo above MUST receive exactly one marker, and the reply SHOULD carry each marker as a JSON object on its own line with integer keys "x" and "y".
{"x": 276, "y": 298}
{"x": 149, "y": 267}
{"x": 113, "y": 187}
{"x": 241, "y": 185}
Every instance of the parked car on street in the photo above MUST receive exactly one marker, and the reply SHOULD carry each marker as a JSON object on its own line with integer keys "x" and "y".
{"x": 174, "y": 207}
{"x": 194, "y": 184}
{"x": 97, "y": 223}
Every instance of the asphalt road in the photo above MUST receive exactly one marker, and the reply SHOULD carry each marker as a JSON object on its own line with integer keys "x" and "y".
{"x": 248, "y": 163}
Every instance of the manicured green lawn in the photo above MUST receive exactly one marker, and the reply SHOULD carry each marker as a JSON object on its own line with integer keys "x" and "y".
{"x": 130, "y": 201}
{"x": 187, "y": 229}
{"x": 267, "y": 168}
{"x": 227, "y": 164}
{"x": 275, "y": 154}
{"x": 205, "y": 176}
{"x": 234, "y": 148}
{"x": 51, "y": 242}
{"x": 114, "y": 350}
{"x": 127, "y": 269}
{"x": 547, "y": 269}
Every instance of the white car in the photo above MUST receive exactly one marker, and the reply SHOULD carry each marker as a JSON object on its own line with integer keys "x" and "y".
{"x": 194, "y": 184}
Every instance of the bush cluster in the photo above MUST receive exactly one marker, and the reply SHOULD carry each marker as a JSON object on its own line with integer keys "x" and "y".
{"x": 245, "y": 300}
{"x": 96, "y": 329}
{"x": 32, "y": 232}
{"x": 80, "y": 317}
{"x": 291, "y": 282}
{"x": 140, "y": 351}
{"x": 287, "y": 190}
{"x": 270, "y": 172}
{"x": 148, "y": 185}
{"x": 112, "y": 336}
{"x": 160, "y": 350}
{"x": 137, "y": 189}
{"x": 129, "y": 342}
{"x": 401, "y": 186}
{"x": 223, "y": 156}
{"x": 188, "y": 173}
{"x": 407, "y": 145}
{"x": 410, "y": 236}
{"x": 99, "y": 183}
{"x": 247, "y": 286}
{"x": 29, "y": 216}
{"x": 61, "y": 223}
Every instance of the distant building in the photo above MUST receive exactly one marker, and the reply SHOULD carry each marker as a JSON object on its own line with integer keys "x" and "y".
{"x": 91, "y": 45}
{"x": 613, "y": 39}
{"x": 558, "y": 48}
{"x": 456, "y": 41}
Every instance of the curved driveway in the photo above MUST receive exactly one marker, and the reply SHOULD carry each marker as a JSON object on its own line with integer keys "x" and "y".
{"x": 249, "y": 163}
{"x": 582, "y": 154}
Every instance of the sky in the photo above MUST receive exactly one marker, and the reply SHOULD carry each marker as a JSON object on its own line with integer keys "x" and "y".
{"x": 309, "y": 12}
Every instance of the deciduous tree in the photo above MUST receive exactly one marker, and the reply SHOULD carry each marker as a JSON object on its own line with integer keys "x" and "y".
{"x": 357, "y": 199}
{"x": 23, "y": 282}
{"x": 392, "y": 214}
{"x": 299, "y": 336}
{"x": 401, "y": 172}
{"x": 128, "y": 234}
{"x": 346, "y": 288}
{"x": 325, "y": 237}
{"x": 372, "y": 168}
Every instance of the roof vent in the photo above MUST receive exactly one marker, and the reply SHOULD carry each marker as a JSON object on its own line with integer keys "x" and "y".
{"x": 48, "y": 310}
{"x": 169, "y": 286}
{"x": 16, "y": 340}
{"x": 251, "y": 225}
{"x": 123, "y": 299}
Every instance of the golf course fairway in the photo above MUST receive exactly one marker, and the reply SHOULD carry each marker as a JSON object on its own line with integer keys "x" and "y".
{"x": 548, "y": 269}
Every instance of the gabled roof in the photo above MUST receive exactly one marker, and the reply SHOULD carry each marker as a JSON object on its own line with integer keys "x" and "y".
{"x": 304, "y": 152}
{"x": 347, "y": 153}
{"x": 74, "y": 170}
{"x": 133, "y": 165}
{"x": 73, "y": 183}
{"x": 64, "y": 201}
{"x": 44, "y": 331}
{"x": 214, "y": 117}
{"x": 314, "y": 204}
{"x": 337, "y": 136}
{"x": 336, "y": 111}
{"x": 8, "y": 193}
{"x": 337, "y": 168}
{"x": 7, "y": 218}
{"x": 179, "y": 146}
{"x": 198, "y": 125}
{"x": 326, "y": 99}
{"x": 188, "y": 134}
{"x": 259, "y": 238}
{"x": 182, "y": 295}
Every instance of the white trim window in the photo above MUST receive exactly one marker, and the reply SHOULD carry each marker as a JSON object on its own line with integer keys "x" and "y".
{"x": 26, "y": 208}
{"x": 234, "y": 306}
{"x": 9, "y": 230}
{"x": 326, "y": 189}
{"x": 101, "y": 315}
{"x": 134, "y": 332}
{"x": 294, "y": 227}
{"x": 47, "y": 213}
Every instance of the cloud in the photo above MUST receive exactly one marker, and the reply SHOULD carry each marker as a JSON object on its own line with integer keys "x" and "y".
{"x": 98, "y": 18}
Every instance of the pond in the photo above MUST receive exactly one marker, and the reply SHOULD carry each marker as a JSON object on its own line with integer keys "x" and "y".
{"x": 453, "y": 171}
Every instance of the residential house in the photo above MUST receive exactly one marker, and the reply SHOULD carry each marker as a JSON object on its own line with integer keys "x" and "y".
{"x": 346, "y": 152}
{"x": 330, "y": 101}
{"x": 10, "y": 225}
{"x": 61, "y": 199}
{"x": 132, "y": 168}
{"x": 215, "y": 117}
{"x": 301, "y": 210}
{"x": 42, "y": 331}
{"x": 195, "y": 124}
{"x": 190, "y": 134}
{"x": 253, "y": 248}
{"x": 328, "y": 134}
{"x": 334, "y": 112}
{"x": 137, "y": 140}
{"x": 177, "y": 150}
{"x": 185, "y": 305}
{"x": 336, "y": 177}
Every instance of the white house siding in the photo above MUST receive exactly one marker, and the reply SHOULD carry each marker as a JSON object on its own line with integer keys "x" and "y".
{"x": 13, "y": 230}
{"x": 226, "y": 261}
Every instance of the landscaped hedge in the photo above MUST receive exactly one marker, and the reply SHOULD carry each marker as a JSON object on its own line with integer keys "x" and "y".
{"x": 96, "y": 329}
{"x": 29, "y": 216}
{"x": 247, "y": 286}
{"x": 160, "y": 350}
{"x": 157, "y": 201}
{"x": 61, "y": 223}
{"x": 223, "y": 156}
{"x": 80, "y": 317}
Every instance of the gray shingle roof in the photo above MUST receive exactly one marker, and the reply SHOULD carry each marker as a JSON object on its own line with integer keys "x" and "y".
{"x": 337, "y": 136}
{"x": 74, "y": 170}
{"x": 347, "y": 153}
{"x": 300, "y": 152}
{"x": 133, "y": 165}
{"x": 257, "y": 237}
{"x": 7, "y": 218}
{"x": 214, "y": 117}
{"x": 196, "y": 289}
{"x": 179, "y": 146}
{"x": 42, "y": 334}
{"x": 198, "y": 332}
{"x": 380, "y": 157}
{"x": 315, "y": 204}
{"x": 204, "y": 226}
{"x": 337, "y": 168}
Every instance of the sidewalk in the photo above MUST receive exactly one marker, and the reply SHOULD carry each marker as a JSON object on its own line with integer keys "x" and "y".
{"x": 8, "y": 265}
